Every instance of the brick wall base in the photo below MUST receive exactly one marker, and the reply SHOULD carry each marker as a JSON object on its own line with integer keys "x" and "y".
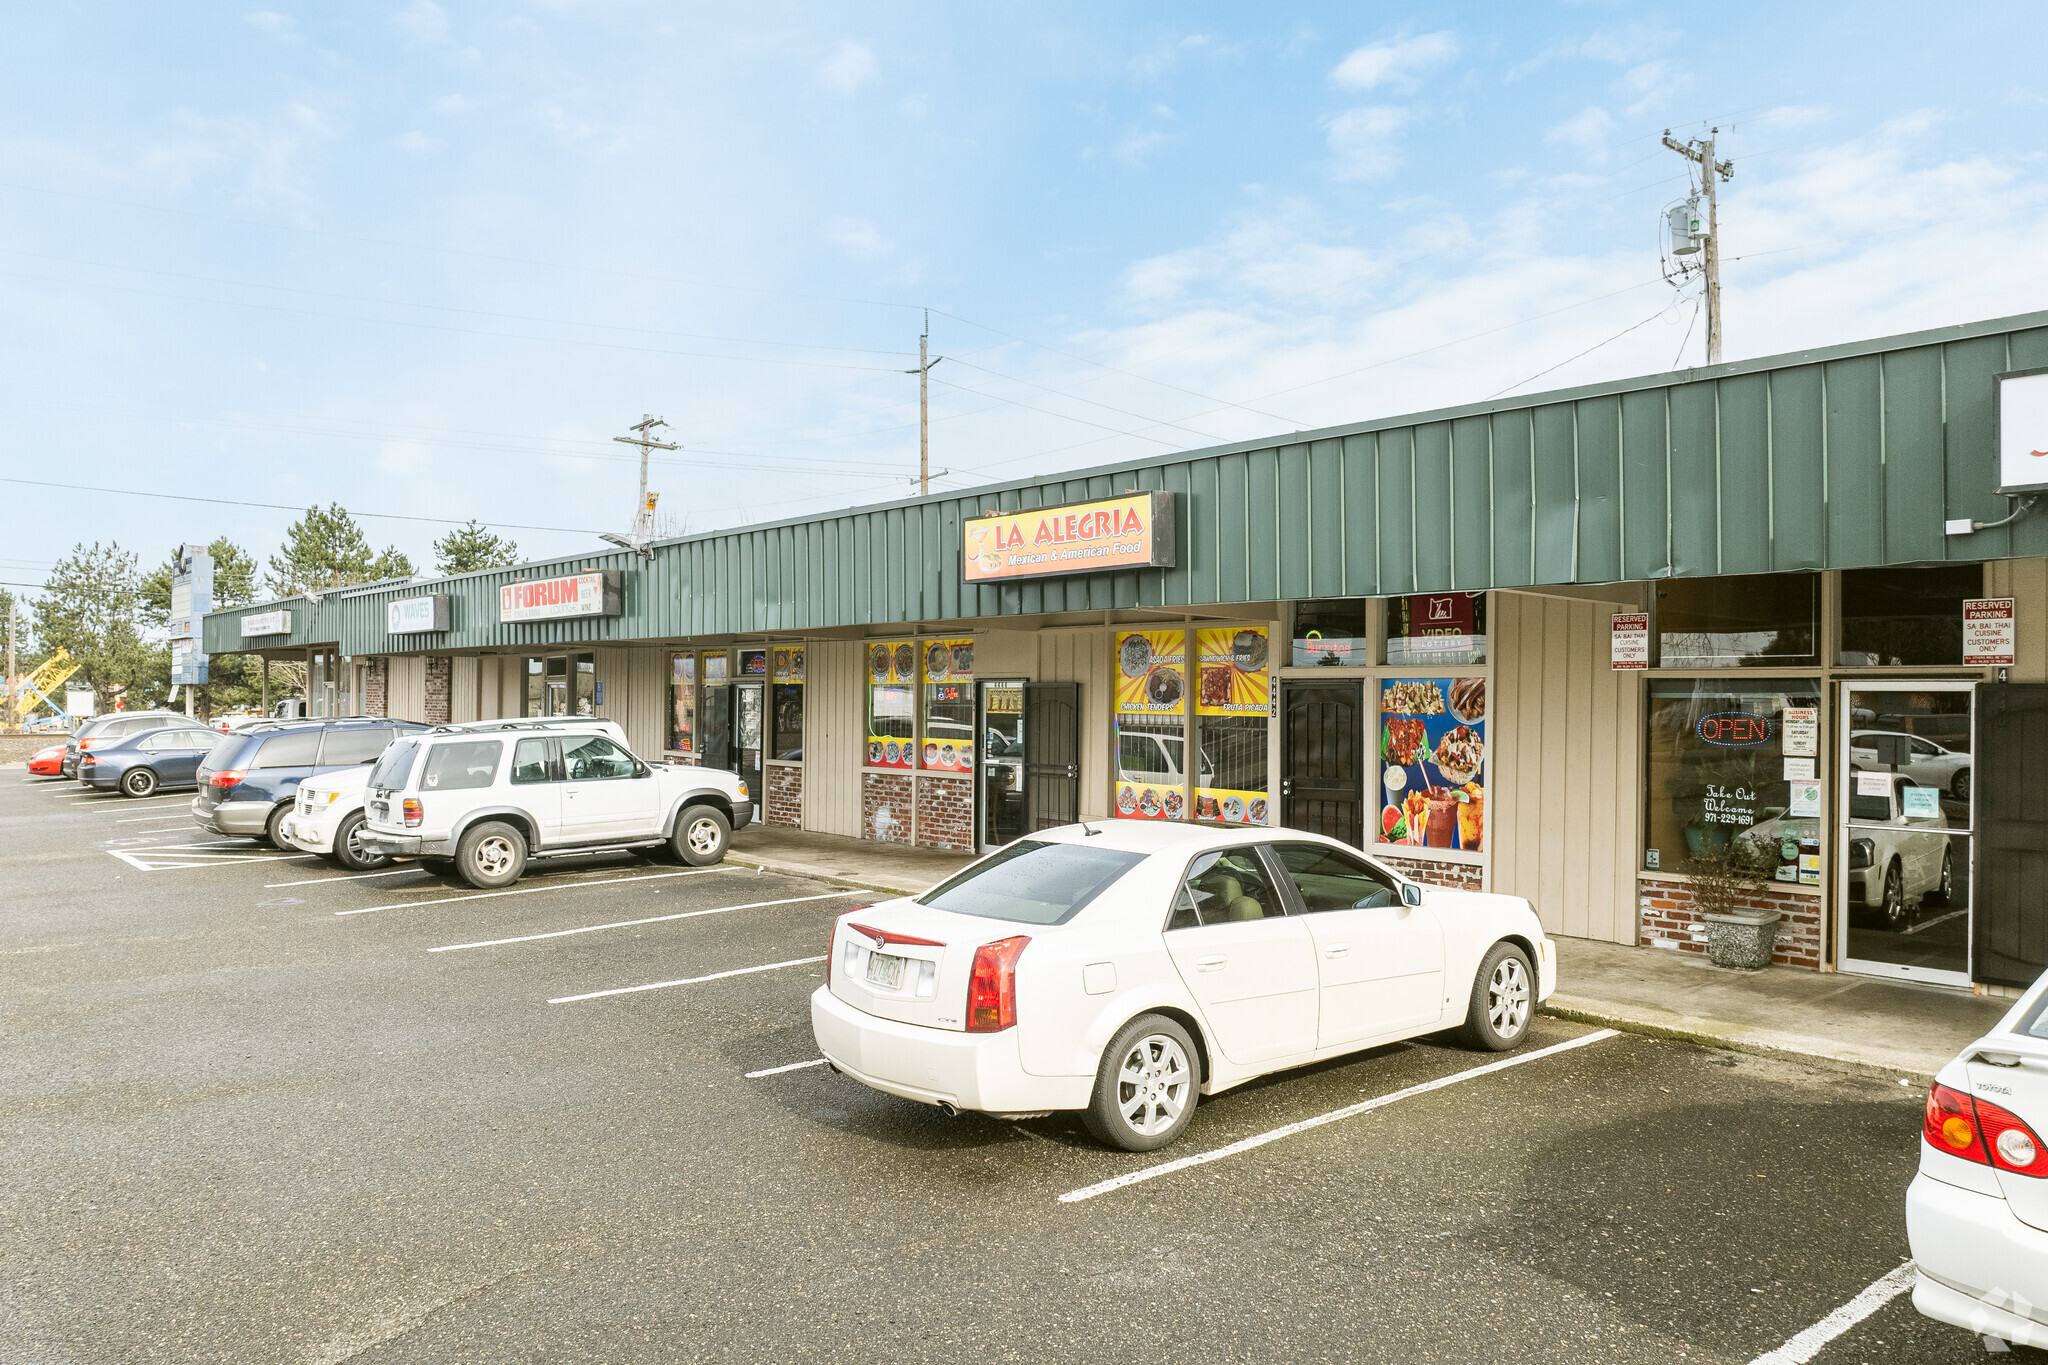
{"x": 440, "y": 688}
{"x": 885, "y": 807}
{"x": 945, "y": 813}
{"x": 1670, "y": 921}
{"x": 785, "y": 803}
{"x": 1457, "y": 876}
{"x": 376, "y": 688}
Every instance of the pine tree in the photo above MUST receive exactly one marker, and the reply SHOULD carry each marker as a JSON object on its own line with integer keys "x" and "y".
{"x": 326, "y": 549}
{"x": 392, "y": 564}
{"x": 91, "y": 605}
{"x": 472, "y": 547}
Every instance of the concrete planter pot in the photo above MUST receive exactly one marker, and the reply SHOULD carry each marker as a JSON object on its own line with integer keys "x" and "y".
{"x": 1743, "y": 939}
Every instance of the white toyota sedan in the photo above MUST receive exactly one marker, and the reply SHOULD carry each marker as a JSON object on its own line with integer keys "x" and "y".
{"x": 1122, "y": 968}
{"x": 1977, "y": 1212}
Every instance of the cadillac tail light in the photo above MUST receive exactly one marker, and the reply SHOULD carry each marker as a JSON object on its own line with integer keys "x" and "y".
{"x": 992, "y": 985}
{"x": 828, "y": 943}
{"x": 1980, "y": 1131}
{"x": 414, "y": 812}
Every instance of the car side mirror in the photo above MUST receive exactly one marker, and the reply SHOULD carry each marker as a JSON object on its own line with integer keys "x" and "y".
{"x": 1411, "y": 894}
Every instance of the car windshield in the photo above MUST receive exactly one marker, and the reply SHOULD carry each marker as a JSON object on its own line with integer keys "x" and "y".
{"x": 1033, "y": 882}
{"x": 395, "y": 766}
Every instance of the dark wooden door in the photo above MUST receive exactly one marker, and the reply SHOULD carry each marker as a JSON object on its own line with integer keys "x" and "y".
{"x": 1052, "y": 754}
{"x": 1322, "y": 772}
{"x": 2010, "y": 761}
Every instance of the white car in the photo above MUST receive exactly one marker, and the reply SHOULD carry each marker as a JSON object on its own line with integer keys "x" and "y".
{"x": 1900, "y": 858}
{"x": 327, "y": 818}
{"x": 486, "y": 796}
{"x": 1920, "y": 759}
{"x": 1121, "y": 968}
{"x": 1977, "y": 1212}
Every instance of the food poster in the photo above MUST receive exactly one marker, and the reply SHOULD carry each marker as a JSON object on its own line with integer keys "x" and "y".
{"x": 1433, "y": 762}
{"x": 1233, "y": 695}
{"x": 893, "y": 670}
{"x": 1151, "y": 699}
{"x": 788, "y": 665}
{"x": 949, "y": 703}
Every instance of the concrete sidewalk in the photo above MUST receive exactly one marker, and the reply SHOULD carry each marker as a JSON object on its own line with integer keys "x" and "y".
{"x": 1855, "y": 1022}
{"x": 1852, "y": 1022}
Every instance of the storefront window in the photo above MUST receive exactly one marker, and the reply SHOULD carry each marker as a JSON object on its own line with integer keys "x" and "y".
{"x": 1331, "y": 634}
{"x": 788, "y": 672}
{"x": 948, "y": 706}
{"x": 1151, "y": 729}
{"x": 1431, "y": 629}
{"x": 1432, "y": 764}
{"x": 1232, "y": 710}
{"x": 536, "y": 688}
{"x": 1735, "y": 760}
{"x": 1748, "y": 621}
{"x": 715, "y": 667}
{"x": 586, "y": 684}
{"x": 892, "y": 704}
{"x": 753, "y": 663}
{"x": 1893, "y": 618}
{"x": 682, "y": 690}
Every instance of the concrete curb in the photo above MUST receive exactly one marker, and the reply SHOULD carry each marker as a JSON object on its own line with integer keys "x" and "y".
{"x": 1850, "y": 1065}
{"x": 813, "y": 874}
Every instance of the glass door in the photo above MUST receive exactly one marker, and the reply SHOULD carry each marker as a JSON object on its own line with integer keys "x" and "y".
{"x": 1907, "y": 828}
{"x": 1002, "y": 763}
{"x": 746, "y": 748}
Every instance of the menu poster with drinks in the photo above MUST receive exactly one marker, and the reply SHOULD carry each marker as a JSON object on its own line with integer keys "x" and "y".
{"x": 1151, "y": 699}
{"x": 1231, "y": 679}
{"x": 789, "y": 665}
{"x": 1433, "y": 762}
{"x": 892, "y": 691}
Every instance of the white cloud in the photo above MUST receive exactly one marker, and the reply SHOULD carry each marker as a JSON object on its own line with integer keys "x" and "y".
{"x": 1790, "y": 116}
{"x": 1395, "y": 60}
{"x": 856, "y": 237}
{"x": 268, "y": 159}
{"x": 914, "y": 106}
{"x": 1161, "y": 57}
{"x": 425, "y": 22}
{"x": 415, "y": 142}
{"x": 1588, "y": 130}
{"x": 1650, "y": 86}
{"x": 453, "y": 104}
{"x": 1362, "y": 141}
{"x": 848, "y": 67}
{"x": 1279, "y": 258}
{"x": 269, "y": 21}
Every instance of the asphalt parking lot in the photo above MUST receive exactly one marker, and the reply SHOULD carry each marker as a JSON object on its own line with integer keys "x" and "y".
{"x": 256, "y": 1110}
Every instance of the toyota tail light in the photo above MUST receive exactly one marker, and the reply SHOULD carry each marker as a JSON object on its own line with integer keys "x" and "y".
{"x": 1980, "y": 1131}
{"x": 992, "y": 985}
{"x": 226, "y": 777}
{"x": 414, "y": 812}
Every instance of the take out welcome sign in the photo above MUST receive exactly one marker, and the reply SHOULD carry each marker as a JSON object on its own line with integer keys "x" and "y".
{"x": 1134, "y": 531}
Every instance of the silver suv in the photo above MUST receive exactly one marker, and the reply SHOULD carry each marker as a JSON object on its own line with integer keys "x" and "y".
{"x": 490, "y": 795}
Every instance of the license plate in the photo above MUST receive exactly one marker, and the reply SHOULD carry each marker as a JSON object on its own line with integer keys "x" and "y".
{"x": 885, "y": 971}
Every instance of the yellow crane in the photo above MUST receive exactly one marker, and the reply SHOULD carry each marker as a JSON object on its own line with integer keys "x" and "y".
{"x": 51, "y": 675}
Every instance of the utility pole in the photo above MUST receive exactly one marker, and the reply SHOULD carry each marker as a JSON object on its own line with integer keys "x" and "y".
{"x": 1702, "y": 152}
{"x": 13, "y": 682}
{"x": 643, "y": 519}
{"x": 925, "y": 361}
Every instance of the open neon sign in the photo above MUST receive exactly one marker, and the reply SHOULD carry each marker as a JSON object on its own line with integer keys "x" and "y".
{"x": 1735, "y": 729}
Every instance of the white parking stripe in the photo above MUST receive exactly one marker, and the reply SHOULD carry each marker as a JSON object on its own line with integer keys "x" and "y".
{"x": 1334, "y": 1116}
{"x": 629, "y": 923}
{"x": 686, "y": 981}
{"x": 530, "y": 890}
{"x": 1807, "y": 1344}
{"x": 355, "y": 877}
{"x": 778, "y": 1070}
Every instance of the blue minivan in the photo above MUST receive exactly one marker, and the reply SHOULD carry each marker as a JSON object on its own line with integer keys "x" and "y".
{"x": 248, "y": 781}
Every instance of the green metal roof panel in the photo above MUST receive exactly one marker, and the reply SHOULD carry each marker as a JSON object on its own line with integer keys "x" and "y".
{"x": 1844, "y": 456}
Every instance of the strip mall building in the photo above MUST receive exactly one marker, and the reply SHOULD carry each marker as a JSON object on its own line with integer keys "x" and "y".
{"x": 1565, "y": 646}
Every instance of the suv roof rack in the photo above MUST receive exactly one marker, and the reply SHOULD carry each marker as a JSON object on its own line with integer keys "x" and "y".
{"x": 517, "y": 723}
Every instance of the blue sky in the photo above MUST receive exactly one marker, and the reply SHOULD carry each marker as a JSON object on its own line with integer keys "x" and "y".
{"x": 429, "y": 258}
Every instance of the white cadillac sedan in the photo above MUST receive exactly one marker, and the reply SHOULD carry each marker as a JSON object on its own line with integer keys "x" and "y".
{"x": 1122, "y": 968}
{"x": 1977, "y": 1212}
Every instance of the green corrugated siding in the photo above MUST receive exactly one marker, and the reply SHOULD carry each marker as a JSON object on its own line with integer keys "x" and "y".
{"x": 1849, "y": 456}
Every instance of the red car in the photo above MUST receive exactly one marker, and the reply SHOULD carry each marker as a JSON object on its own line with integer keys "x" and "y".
{"x": 47, "y": 762}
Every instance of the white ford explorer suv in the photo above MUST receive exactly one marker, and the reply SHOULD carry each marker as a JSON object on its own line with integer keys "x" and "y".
{"x": 488, "y": 795}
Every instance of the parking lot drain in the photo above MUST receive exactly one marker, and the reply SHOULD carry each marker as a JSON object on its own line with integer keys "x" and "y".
{"x": 1334, "y": 1116}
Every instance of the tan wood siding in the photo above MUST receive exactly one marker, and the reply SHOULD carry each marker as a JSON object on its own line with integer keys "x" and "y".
{"x": 463, "y": 689}
{"x": 835, "y": 734}
{"x": 1567, "y": 753}
{"x": 2026, "y": 582}
{"x": 1082, "y": 656}
{"x": 407, "y": 695}
{"x": 636, "y": 696}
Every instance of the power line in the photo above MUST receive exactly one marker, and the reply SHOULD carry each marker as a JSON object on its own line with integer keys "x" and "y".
{"x": 290, "y": 507}
{"x": 1588, "y": 351}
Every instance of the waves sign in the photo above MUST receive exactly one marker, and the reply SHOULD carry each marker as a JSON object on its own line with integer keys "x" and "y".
{"x": 549, "y": 599}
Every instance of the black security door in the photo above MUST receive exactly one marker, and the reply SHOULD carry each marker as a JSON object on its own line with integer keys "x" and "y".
{"x": 1322, "y": 774}
{"x": 1052, "y": 754}
{"x": 2011, "y": 762}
